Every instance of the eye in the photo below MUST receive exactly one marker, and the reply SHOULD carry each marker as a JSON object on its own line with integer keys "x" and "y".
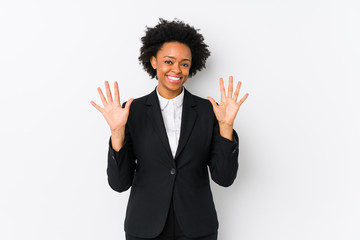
{"x": 168, "y": 62}
{"x": 186, "y": 65}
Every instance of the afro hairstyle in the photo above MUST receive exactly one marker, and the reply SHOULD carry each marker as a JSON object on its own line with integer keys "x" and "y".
{"x": 173, "y": 31}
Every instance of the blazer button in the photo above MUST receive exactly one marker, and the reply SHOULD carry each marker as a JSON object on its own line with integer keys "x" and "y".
{"x": 173, "y": 171}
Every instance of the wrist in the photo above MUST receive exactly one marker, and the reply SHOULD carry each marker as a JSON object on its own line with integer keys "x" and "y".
{"x": 118, "y": 131}
{"x": 117, "y": 138}
{"x": 226, "y": 131}
{"x": 226, "y": 125}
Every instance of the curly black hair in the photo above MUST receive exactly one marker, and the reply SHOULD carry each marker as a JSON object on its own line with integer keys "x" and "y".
{"x": 173, "y": 31}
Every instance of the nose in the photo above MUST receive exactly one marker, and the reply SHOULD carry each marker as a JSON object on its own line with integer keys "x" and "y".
{"x": 176, "y": 69}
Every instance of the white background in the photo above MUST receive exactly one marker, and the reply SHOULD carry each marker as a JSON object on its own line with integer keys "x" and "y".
{"x": 299, "y": 128}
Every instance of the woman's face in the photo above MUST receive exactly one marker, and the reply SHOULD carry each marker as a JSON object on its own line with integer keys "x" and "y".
{"x": 172, "y": 64}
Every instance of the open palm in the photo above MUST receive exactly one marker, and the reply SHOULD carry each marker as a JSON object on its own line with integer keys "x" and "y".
{"x": 114, "y": 114}
{"x": 228, "y": 107}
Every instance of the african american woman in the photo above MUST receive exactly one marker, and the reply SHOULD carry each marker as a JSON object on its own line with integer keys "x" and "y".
{"x": 165, "y": 144}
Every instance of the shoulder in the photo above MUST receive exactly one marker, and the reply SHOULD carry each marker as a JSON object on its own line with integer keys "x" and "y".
{"x": 139, "y": 102}
{"x": 201, "y": 104}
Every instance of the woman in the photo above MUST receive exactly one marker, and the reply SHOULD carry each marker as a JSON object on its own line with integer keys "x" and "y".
{"x": 163, "y": 143}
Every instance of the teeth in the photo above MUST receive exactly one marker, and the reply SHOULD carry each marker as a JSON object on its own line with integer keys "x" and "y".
{"x": 173, "y": 78}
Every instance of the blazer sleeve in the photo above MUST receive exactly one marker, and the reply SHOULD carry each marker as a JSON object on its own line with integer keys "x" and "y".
{"x": 121, "y": 165}
{"x": 223, "y": 163}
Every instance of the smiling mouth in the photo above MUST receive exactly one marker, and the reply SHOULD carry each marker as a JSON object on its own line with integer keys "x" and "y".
{"x": 174, "y": 79}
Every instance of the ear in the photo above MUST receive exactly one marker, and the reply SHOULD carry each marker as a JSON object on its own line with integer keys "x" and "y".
{"x": 153, "y": 62}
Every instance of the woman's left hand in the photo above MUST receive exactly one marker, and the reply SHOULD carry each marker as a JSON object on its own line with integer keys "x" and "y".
{"x": 228, "y": 107}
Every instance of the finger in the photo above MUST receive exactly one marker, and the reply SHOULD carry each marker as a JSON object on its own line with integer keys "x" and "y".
{"x": 116, "y": 90}
{"x": 128, "y": 103}
{"x": 230, "y": 90}
{"x": 103, "y": 99}
{"x": 243, "y": 99}
{"x": 222, "y": 89}
{"x": 237, "y": 90}
{"x": 213, "y": 102}
{"x": 108, "y": 92}
{"x": 96, "y": 106}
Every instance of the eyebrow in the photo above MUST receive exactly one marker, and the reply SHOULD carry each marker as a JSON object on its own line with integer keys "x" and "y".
{"x": 185, "y": 59}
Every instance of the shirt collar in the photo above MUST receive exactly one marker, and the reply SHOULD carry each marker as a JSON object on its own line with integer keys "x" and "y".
{"x": 178, "y": 100}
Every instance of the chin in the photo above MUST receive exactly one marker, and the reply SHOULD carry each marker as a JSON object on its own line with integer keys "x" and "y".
{"x": 174, "y": 88}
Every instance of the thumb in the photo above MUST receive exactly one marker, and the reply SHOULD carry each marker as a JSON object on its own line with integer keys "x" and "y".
{"x": 128, "y": 103}
{"x": 213, "y": 102}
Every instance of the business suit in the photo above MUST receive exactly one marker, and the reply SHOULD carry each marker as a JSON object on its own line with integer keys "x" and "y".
{"x": 145, "y": 162}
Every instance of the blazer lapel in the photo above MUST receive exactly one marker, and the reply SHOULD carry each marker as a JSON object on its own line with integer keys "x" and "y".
{"x": 187, "y": 121}
{"x": 155, "y": 116}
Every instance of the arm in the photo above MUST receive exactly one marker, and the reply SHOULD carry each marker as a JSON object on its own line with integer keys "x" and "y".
{"x": 223, "y": 162}
{"x": 121, "y": 164}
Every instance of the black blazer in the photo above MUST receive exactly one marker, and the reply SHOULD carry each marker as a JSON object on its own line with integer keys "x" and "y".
{"x": 145, "y": 162}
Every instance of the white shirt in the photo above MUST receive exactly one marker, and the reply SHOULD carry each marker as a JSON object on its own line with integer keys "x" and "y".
{"x": 171, "y": 110}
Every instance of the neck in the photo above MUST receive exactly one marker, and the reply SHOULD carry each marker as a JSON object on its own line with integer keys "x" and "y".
{"x": 169, "y": 94}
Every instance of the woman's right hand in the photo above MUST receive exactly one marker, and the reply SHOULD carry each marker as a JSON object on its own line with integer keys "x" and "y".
{"x": 114, "y": 114}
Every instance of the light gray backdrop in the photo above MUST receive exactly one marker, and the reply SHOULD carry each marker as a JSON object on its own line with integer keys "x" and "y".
{"x": 299, "y": 128}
